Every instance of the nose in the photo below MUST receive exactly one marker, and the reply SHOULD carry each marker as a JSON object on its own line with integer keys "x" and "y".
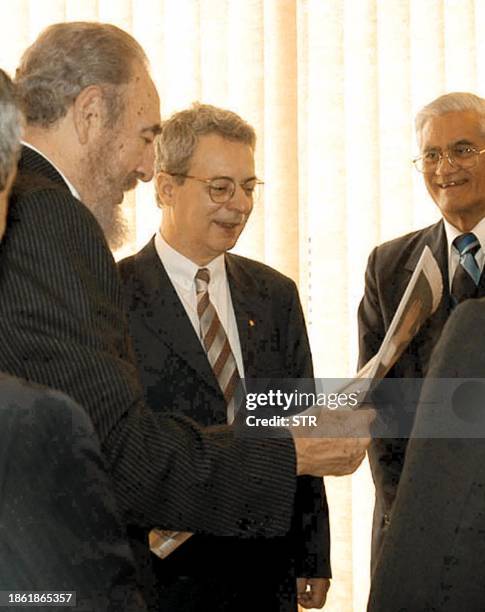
{"x": 240, "y": 201}
{"x": 443, "y": 167}
{"x": 147, "y": 163}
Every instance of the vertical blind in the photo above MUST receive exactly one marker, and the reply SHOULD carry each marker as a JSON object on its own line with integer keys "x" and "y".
{"x": 331, "y": 87}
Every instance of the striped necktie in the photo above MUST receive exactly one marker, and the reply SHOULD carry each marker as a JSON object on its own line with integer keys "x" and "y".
{"x": 467, "y": 275}
{"x": 216, "y": 343}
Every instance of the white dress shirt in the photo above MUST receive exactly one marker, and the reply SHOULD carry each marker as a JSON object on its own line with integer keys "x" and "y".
{"x": 453, "y": 255}
{"x": 182, "y": 271}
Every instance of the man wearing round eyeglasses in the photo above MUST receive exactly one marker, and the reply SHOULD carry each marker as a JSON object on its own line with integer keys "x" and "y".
{"x": 451, "y": 136}
{"x": 453, "y": 166}
{"x": 207, "y": 186}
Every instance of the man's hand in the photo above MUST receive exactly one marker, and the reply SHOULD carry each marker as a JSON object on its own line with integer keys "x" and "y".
{"x": 336, "y": 446}
{"x": 312, "y": 592}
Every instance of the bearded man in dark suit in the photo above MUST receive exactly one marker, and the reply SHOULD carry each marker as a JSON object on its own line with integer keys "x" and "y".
{"x": 433, "y": 556}
{"x": 206, "y": 185}
{"x": 451, "y": 135}
{"x": 92, "y": 112}
{"x": 59, "y": 526}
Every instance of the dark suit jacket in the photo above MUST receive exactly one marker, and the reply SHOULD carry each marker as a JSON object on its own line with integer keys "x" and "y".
{"x": 433, "y": 556}
{"x": 59, "y": 525}
{"x": 177, "y": 377}
{"x": 389, "y": 269}
{"x": 62, "y": 324}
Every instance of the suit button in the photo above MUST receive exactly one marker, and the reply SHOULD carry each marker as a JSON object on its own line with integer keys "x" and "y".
{"x": 386, "y": 520}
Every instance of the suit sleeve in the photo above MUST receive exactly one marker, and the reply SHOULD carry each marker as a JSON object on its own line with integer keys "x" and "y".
{"x": 311, "y": 519}
{"x": 385, "y": 454}
{"x": 371, "y": 325}
{"x": 437, "y": 521}
{"x": 65, "y": 328}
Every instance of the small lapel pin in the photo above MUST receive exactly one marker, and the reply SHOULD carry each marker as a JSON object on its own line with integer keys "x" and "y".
{"x": 251, "y": 323}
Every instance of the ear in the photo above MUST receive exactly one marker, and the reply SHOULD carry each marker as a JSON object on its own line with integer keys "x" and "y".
{"x": 88, "y": 112}
{"x": 166, "y": 188}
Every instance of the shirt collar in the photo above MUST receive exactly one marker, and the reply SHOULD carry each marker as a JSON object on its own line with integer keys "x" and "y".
{"x": 70, "y": 186}
{"x": 452, "y": 232}
{"x": 183, "y": 270}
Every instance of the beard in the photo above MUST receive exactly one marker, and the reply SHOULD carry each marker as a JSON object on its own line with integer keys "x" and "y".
{"x": 103, "y": 186}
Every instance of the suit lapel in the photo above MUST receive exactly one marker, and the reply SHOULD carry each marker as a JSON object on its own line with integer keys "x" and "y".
{"x": 429, "y": 333}
{"x": 244, "y": 300}
{"x": 165, "y": 315}
{"x": 481, "y": 285}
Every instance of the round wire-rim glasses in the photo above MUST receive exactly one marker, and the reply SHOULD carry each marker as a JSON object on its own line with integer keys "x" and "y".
{"x": 223, "y": 188}
{"x": 460, "y": 156}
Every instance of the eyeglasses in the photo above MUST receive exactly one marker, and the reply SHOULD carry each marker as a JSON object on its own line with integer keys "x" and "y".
{"x": 459, "y": 155}
{"x": 223, "y": 188}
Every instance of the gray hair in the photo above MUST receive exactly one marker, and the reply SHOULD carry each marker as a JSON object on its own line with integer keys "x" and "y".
{"x": 10, "y": 128}
{"x": 180, "y": 134}
{"x": 448, "y": 103}
{"x": 68, "y": 57}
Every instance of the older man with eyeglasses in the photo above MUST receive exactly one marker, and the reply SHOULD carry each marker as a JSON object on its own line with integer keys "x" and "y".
{"x": 201, "y": 318}
{"x": 451, "y": 136}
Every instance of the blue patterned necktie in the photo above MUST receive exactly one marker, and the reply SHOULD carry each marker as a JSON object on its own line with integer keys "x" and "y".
{"x": 467, "y": 273}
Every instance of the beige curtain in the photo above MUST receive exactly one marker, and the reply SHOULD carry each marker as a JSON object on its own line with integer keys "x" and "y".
{"x": 331, "y": 87}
